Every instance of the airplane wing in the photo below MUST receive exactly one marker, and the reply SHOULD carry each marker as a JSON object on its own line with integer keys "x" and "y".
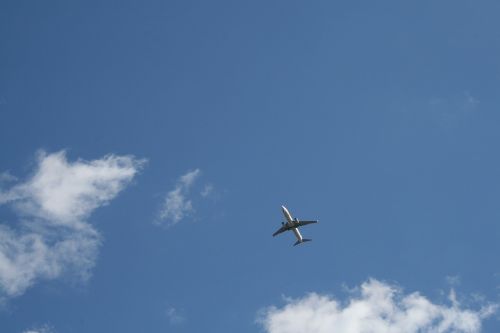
{"x": 301, "y": 223}
{"x": 280, "y": 230}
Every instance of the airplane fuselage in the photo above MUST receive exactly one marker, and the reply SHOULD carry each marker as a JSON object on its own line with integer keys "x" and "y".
{"x": 290, "y": 223}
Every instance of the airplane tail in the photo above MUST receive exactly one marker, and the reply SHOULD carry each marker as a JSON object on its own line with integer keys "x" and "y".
{"x": 302, "y": 241}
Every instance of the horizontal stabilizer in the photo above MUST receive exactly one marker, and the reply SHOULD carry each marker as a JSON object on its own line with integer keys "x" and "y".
{"x": 302, "y": 241}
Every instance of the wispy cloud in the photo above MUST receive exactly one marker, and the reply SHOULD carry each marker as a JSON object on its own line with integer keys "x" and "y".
{"x": 377, "y": 308}
{"x": 41, "y": 329}
{"x": 453, "y": 280}
{"x": 453, "y": 110}
{"x": 177, "y": 204}
{"x": 471, "y": 103}
{"x": 52, "y": 236}
{"x": 175, "y": 316}
{"x": 6, "y": 176}
{"x": 207, "y": 190}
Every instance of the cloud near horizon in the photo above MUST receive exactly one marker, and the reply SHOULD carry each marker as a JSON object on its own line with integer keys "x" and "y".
{"x": 378, "y": 308}
{"x": 52, "y": 235}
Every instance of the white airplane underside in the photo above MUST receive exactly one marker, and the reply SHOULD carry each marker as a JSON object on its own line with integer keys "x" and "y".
{"x": 293, "y": 225}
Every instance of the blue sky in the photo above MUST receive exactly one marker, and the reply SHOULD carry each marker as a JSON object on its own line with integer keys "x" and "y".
{"x": 147, "y": 147}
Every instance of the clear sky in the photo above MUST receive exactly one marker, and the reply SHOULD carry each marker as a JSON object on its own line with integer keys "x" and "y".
{"x": 147, "y": 146}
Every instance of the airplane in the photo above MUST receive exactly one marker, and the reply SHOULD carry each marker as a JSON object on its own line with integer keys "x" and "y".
{"x": 293, "y": 224}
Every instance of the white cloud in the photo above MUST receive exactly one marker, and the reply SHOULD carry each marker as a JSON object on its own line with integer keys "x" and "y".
{"x": 378, "y": 308}
{"x": 188, "y": 179}
{"x": 66, "y": 193}
{"x": 53, "y": 236}
{"x": 177, "y": 204}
